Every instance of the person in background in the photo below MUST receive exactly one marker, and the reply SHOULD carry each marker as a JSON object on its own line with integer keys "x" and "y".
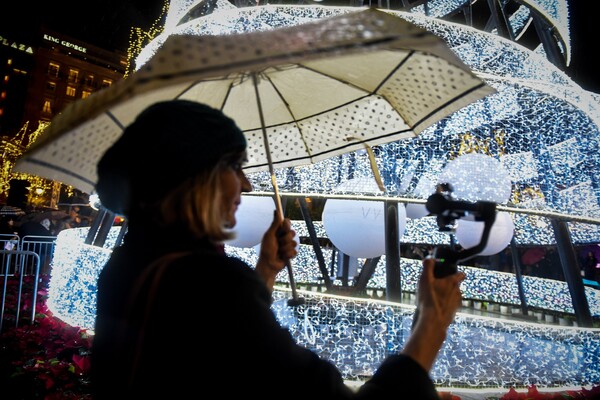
{"x": 590, "y": 267}
{"x": 177, "y": 315}
{"x": 73, "y": 220}
{"x": 9, "y": 235}
{"x": 7, "y": 225}
{"x": 35, "y": 228}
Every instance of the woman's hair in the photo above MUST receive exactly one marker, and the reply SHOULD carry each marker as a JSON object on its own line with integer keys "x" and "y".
{"x": 196, "y": 205}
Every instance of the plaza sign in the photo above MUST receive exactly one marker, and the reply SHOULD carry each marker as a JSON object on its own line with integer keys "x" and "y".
{"x": 15, "y": 45}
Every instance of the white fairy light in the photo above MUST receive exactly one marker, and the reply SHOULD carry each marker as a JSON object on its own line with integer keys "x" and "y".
{"x": 357, "y": 334}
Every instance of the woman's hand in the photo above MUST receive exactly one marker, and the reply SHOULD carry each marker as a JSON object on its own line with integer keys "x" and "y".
{"x": 438, "y": 299}
{"x": 277, "y": 248}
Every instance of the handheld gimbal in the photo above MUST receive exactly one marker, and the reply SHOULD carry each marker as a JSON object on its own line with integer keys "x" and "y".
{"x": 447, "y": 211}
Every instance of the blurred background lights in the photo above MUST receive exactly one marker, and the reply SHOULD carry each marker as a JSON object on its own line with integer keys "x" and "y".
{"x": 94, "y": 200}
{"x": 475, "y": 176}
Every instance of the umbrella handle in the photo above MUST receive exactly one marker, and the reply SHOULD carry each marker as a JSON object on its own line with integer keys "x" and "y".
{"x": 295, "y": 300}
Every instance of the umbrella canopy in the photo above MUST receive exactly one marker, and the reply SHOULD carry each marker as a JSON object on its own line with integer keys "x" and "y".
{"x": 11, "y": 211}
{"x": 301, "y": 94}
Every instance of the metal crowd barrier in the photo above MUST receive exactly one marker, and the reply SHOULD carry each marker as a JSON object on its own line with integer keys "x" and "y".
{"x": 22, "y": 260}
{"x": 42, "y": 246}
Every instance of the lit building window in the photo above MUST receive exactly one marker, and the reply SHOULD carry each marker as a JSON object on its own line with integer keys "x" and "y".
{"x": 106, "y": 83}
{"x": 73, "y": 75}
{"x": 89, "y": 80}
{"x": 3, "y": 95}
{"x": 47, "y": 107}
{"x": 85, "y": 93}
{"x": 70, "y": 91}
{"x": 53, "y": 69}
{"x": 5, "y": 78}
{"x": 50, "y": 86}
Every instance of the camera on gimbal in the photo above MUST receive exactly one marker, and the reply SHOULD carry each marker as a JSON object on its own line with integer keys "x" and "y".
{"x": 447, "y": 210}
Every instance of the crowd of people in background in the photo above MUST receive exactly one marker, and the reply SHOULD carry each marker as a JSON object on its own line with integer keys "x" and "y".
{"x": 43, "y": 223}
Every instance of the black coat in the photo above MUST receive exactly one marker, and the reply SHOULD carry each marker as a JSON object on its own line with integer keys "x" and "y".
{"x": 210, "y": 329}
{"x": 34, "y": 228}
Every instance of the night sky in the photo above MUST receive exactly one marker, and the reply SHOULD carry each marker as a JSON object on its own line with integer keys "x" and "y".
{"x": 106, "y": 23}
{"x": 585, "y": 64}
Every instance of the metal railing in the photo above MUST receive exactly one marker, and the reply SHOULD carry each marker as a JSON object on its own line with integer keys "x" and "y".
{"x": 22, "y": 261}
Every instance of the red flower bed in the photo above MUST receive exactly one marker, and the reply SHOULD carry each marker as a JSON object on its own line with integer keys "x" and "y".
{"x": 44, "y": 360}
{"x": 534, "y": 394}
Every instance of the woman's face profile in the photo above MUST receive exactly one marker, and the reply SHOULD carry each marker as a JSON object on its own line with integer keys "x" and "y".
{"x": 233, "y": 183}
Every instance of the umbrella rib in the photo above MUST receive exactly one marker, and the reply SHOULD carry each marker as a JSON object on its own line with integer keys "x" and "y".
{"x": 110, "y": 115}
{"x": 226, "y": 96}
{"x": 392, "y": 72}
{"x": 196, "y": 82}
{"x": 375, "y": 91}
{"x": 287, "y": 106}
{"x": 274, "y": 182}
{"x": 335, "y": 78}
{"x": 453, "y": 100}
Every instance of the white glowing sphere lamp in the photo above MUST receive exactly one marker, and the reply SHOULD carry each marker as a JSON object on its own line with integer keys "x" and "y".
{"x": 254, "y": 216}
{"x": 357, "y": 227}
{"x": 468, "y": 233}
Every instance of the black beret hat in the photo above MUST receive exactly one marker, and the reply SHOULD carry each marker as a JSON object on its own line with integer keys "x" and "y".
{"x": 167, "y": 143}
